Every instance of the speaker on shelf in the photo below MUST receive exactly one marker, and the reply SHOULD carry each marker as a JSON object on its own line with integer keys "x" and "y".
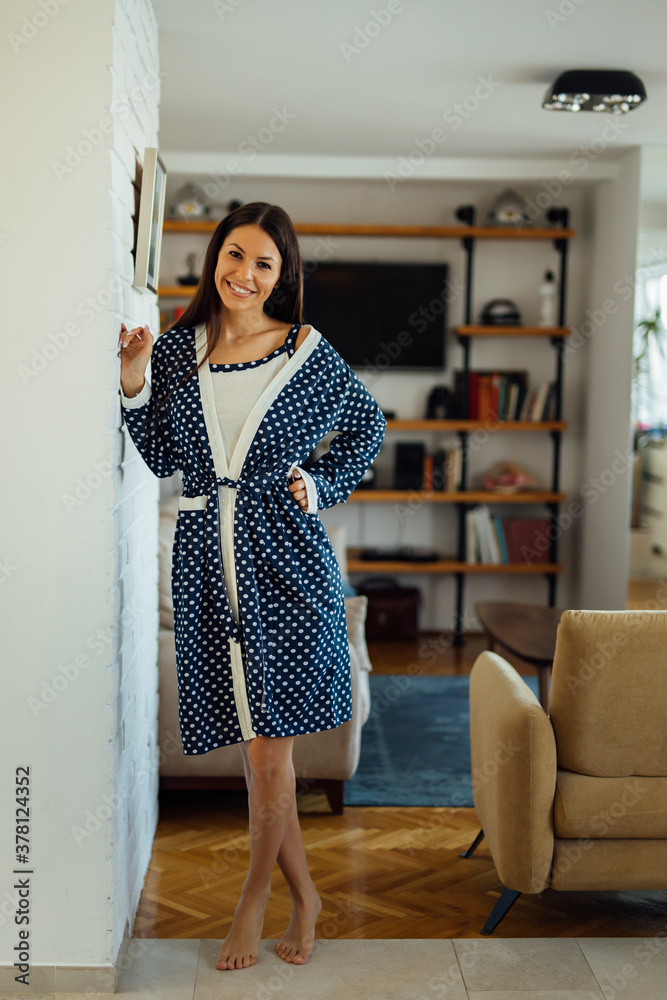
{"x": 409, "y": 466}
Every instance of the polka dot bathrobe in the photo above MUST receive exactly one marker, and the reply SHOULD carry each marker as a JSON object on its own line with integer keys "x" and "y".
{"x": 260, "y": 630}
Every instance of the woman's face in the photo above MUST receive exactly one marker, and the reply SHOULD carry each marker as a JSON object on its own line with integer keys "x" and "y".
{"x": 248, "y": 268}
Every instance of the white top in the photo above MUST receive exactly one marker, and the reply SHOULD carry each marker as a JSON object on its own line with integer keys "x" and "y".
{"x": 236, "y": 389}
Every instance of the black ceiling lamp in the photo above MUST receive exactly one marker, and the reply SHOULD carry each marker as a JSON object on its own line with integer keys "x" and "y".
{"x": 615, "y": 91}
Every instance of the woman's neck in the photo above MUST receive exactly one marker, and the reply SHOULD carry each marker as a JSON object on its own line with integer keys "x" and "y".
{"x": 238, "y": 327}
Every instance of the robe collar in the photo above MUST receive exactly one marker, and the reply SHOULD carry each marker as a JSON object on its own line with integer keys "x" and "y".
{"x": 232, "y": 470}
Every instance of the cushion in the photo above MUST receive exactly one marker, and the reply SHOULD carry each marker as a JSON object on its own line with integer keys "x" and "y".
{"x": 360, "y": 664}
{"x": 167, "y": 530}
{"x": 608, "y": 701}
{"x": 609, "y": 808}
{"x": 338, "y": 538}
{"x": 355, "y": 615}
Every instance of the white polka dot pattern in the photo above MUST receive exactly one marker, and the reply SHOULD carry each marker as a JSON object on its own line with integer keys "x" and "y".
{"x": 291, "y": 628}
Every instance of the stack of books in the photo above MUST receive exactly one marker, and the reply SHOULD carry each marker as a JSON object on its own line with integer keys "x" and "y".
{"x": 497, "y": 540}
{"x": 502, "y": 395}
{"x": 442, "y": 470}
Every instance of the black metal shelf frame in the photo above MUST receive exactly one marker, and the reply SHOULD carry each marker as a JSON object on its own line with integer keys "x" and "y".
{"x": 560, "y": 217}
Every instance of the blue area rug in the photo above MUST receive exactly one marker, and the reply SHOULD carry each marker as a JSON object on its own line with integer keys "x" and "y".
{"x": 415, "y": 747}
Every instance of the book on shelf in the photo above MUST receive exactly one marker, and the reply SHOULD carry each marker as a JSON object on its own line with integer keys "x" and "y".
{"x": 500, "y": 535}
{"x": 541, "y": 393}
{"x": 427, "y": 481}
{"x": 442, "y": 469}
{"x": 472, "y": 552}
{"x": 495, "y": 540}
{"x": 502, "y": 395}
{"x": 491, "y": 394}
{"x": 527, "y": 405}
{"x": 483, "y": 543}
{"x": 527, "y": 539}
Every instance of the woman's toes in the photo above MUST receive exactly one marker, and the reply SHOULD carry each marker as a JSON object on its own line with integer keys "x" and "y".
{"x": 298, "y": 959}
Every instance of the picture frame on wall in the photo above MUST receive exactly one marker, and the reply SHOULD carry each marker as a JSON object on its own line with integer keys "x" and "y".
{"x": 151, "y": 217}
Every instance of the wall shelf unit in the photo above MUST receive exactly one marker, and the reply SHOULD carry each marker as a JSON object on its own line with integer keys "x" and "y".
{"x": 467, "y": 333}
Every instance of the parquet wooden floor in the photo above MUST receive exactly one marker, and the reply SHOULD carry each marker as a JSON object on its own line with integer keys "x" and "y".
{"x": 381, "y": 872}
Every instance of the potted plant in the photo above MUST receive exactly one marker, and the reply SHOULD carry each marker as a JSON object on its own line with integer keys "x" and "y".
{"x": 647, "y": 332}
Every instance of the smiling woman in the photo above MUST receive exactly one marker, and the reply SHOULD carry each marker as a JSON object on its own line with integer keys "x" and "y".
{"x": 255, "y": 249}
{"x": 261, "y": 637}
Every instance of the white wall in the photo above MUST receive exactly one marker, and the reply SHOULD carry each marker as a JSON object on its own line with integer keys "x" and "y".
{"x": 136, "y": 93}
{"x": 606, "y": 467}
{"x": 79, "y": 549}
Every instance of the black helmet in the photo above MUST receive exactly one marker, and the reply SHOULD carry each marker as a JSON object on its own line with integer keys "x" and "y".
{"x": 501, "y": 312}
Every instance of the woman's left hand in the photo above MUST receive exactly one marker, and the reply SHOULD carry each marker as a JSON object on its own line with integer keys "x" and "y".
{"x": 298, "y": 490}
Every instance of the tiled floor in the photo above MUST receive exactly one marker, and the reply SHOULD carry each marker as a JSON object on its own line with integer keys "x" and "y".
{"x": 535, "y": 969}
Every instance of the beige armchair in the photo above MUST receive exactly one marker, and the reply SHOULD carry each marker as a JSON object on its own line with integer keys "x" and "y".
{"x": 576, "y": 800}
{"x": 322, "y": 760}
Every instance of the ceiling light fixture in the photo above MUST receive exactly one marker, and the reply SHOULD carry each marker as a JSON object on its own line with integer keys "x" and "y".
{"x": 615, "y": 91}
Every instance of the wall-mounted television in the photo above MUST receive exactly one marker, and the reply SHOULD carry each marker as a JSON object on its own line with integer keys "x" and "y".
{"x": 388, "y": 316}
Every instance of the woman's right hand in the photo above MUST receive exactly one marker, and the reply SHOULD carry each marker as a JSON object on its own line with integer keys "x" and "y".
{"x": 136, "y": 347}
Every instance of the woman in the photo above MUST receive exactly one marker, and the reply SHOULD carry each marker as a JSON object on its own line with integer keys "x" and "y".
{"x": 241, "y": 392}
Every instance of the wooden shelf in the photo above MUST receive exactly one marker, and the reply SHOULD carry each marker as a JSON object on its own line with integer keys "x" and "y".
{"x": 512, "y": 331}
{"x": 190, "y": 226}
{"x": 474, "y": 425}
{"x": 342, "y": 229}
{"x": 461, "y": 496}
{"x": 176, "y": 291}
{"x": 444, "y": 566}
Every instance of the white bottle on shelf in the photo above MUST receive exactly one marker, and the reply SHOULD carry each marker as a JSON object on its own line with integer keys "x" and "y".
{"x": 548, "y": 300}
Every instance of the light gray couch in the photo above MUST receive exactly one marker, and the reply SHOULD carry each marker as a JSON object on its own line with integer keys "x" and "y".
{"x": 321, "y": 760}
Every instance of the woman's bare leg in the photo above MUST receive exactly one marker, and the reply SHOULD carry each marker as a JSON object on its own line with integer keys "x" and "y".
{"x": 270, "y": 791}
{"x": 297, "y": 943}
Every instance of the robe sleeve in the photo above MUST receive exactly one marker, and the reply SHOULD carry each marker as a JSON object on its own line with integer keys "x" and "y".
{"x": 147, "y": 420}
{"x": 361, "y": 427}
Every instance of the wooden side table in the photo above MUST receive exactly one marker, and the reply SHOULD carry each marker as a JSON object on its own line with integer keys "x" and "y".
{"x": 527, "y": 631}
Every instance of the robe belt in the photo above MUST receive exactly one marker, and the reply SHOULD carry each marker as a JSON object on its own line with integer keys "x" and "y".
{"x": 247, "y": 490}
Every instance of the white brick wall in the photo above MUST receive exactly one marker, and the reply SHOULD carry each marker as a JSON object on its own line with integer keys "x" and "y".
{"x": 83, "y": 587}
{"x": 135, "y": 101}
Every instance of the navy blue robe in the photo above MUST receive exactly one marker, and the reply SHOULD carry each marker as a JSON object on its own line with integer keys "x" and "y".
{"x": 260, "y": 630}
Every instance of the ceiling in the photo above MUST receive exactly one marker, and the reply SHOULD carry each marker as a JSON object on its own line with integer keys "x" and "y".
{"x": 358, "y": 88}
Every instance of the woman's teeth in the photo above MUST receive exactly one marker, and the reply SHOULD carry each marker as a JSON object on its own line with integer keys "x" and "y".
{"x": 238, "y": 289}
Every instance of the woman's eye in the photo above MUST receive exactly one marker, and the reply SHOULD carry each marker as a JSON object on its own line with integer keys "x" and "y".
{"x": 235, "y": 252}
{"x": 264, "y": 264}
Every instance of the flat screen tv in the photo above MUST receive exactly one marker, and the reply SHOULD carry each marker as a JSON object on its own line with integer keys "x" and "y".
{"x": 380, "y": 316}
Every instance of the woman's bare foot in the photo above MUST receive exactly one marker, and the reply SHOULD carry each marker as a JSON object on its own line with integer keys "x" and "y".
{"x": 297, "y": 943}
{"x": 241, "y": 946}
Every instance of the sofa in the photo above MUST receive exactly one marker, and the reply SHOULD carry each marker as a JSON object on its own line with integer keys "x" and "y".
{"x": 322, "y": 760}
{"x": 576, "y": 800}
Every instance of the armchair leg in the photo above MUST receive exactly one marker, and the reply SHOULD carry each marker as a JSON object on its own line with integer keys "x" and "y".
{"x": 473, "y": 847}
{"x": 507, "y": 900}
{"x": 335, "y": 792}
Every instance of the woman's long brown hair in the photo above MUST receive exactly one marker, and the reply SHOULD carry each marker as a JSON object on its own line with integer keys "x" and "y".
{"x": 285, "y": 302}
